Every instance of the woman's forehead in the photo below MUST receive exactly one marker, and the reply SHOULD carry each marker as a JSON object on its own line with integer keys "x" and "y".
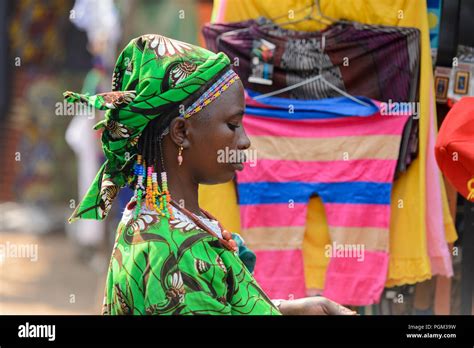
{"x": 231, "y": 102}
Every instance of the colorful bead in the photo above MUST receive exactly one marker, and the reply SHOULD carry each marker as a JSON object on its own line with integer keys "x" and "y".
{"x": 149, "y": 188}
{"x": 147, "y": 184}
{"x": 139, "y": 170}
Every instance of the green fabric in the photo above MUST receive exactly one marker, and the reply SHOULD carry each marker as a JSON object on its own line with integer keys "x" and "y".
{"x": 165, "y": 267}
{"x": 151, "y": 74}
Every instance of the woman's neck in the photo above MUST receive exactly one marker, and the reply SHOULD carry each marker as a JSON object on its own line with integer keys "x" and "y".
{"x": 185, "y": 192}
{"x": 181, "y": 184}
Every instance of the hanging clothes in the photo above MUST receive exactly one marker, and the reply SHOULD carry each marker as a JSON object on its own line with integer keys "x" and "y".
{"x": 345, "y": 153}
{"x": 354, "y": 60}
{"x": 409, "y": 260}
{"x": 438, "y": 250}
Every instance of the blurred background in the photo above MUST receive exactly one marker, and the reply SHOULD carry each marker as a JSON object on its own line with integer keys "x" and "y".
{"x": 50, "y": 156}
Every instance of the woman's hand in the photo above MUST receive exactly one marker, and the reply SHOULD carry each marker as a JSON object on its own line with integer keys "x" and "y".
{"x": 313, "y": 306}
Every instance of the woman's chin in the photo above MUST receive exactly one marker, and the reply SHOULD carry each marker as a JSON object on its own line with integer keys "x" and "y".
{"x": 224, "y": 177}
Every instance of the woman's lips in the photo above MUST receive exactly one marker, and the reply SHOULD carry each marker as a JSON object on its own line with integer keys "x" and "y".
{"x": 238, "y": 166}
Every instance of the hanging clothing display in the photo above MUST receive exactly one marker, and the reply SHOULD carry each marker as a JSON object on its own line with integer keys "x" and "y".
{"x": 439, "y": 253}
{"x": 354, "y": 60}
{"x": 37, "y": 29}
{"x": 354, "y": 57}
{"x": 345, "y": 153}
{"x": 409, "y": 260}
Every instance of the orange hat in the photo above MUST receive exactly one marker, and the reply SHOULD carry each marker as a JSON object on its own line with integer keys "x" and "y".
{"x": 454, "y": 148}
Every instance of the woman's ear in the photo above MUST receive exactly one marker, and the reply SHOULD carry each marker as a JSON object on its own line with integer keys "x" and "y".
{"x": 179, "y": 132}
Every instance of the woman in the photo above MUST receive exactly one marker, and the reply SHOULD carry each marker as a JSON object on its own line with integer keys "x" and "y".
{"x": 173, "y": 106}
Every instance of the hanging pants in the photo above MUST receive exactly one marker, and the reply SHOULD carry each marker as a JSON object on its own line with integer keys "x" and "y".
{"x": 345, "y": 153}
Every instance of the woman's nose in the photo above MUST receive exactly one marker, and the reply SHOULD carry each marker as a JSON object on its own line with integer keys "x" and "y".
{"x": 244, "y": 141}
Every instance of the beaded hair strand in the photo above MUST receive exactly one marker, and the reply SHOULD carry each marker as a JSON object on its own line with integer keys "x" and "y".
{"x": 145, "y": 170}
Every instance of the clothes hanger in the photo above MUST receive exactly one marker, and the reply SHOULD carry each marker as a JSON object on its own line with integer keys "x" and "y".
{"x": 312, "y": 6}
{"x": 318, "y": 77}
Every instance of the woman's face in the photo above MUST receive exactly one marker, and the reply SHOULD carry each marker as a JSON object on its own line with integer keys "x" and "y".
{"x": 214, "y": 139}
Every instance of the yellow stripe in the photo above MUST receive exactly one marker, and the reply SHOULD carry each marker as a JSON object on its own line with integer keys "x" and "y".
{"x": 274, "y": 238}
{"x": 327, "y": 149}
{"x": 291, "y": 237}
{"x": 372, "y": 238}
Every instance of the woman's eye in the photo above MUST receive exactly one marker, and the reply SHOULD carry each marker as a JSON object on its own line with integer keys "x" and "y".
{"x": 232, "y": 126}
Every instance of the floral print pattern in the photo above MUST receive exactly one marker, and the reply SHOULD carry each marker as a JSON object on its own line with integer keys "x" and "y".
{"x": 108, "y": 193}
{"x": 201, "y": 265}
{"x": 117, "y": 130}
{"x": 181, "y": 71}
{"x": 176, "y": 291}
{"x": 164, "y": 46}
{"x": 170, "y": 272}
{"x": 113, "y": 100}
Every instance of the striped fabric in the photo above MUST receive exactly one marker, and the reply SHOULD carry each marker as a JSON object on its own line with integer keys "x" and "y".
{"x": 377, "y": 61}
{"x": 345, "y": 153}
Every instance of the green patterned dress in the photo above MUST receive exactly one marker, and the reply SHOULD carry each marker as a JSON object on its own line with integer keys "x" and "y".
{"x": 160, "y": 266}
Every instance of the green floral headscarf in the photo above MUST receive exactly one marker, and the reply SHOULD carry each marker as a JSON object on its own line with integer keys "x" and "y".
{"x": 152, "y": 73}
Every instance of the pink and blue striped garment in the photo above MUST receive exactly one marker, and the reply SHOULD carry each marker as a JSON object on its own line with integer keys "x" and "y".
{"x": 335, "y": 148}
